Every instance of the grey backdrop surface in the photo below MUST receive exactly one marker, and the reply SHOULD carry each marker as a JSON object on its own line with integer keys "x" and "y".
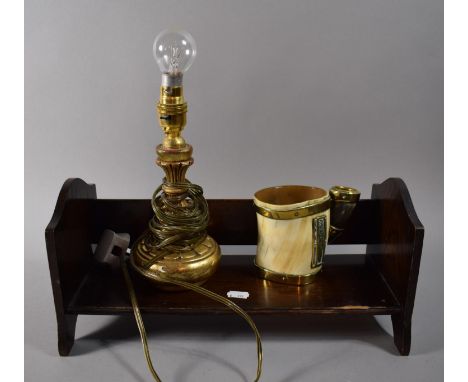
{"x": 310, "y": 92}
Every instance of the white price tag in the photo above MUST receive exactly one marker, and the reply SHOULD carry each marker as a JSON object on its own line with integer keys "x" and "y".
{"x": 238, "y": 294}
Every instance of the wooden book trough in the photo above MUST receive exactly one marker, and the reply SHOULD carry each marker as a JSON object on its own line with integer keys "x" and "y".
{"x": 381, "y": 281}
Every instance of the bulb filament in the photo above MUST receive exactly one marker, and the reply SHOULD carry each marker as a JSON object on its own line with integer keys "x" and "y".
{"x": 174, "y": 59}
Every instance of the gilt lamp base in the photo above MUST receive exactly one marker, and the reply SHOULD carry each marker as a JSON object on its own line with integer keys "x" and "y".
{"x": 194, "y": 266}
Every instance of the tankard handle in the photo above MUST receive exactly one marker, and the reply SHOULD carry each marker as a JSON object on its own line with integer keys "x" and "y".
{"x": 343, "y": 200}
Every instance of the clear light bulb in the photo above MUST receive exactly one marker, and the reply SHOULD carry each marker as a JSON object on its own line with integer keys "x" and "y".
{"x": 174, "y": 51}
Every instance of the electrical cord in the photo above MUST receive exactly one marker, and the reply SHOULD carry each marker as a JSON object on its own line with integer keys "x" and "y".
{"x": 179, "y": 221}
{"x": 179, "y": 224}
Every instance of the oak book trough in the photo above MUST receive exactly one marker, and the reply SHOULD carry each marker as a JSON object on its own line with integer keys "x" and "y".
{"x": 380, "y": 282}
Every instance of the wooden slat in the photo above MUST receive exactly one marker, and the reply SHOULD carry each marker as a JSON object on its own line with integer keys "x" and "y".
{"x": 232, "y": 221}
{"x": 345, "y": 286}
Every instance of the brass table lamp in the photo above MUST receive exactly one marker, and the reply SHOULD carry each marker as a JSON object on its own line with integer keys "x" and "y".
{"x": 176, "y": 244}
{"x": 175, "y": 251}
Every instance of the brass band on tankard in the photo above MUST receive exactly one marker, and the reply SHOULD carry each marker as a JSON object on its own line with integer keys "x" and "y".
{"x": 300, "y": 212}
{"x": 295, "y": 223}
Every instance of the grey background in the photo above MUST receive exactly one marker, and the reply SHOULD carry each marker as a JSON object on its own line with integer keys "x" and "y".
{"x": 310, "y": 92}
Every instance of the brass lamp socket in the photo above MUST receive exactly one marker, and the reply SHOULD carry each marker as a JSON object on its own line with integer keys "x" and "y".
{"x": 172, "y": 111}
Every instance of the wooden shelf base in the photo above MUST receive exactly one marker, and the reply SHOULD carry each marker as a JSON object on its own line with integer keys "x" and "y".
{"x": 346, "y": 286}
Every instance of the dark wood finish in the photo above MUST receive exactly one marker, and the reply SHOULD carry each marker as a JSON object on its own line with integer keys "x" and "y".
{"x": 346, "y": 285}
{"x": 70, "y": 256}
{"x": 232, "y": 221}
{"x": 397, "y": 254}
{"x": 381, "y": 282}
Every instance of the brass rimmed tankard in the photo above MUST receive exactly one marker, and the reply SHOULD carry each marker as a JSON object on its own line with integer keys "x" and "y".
{"x": 295, "y": 223}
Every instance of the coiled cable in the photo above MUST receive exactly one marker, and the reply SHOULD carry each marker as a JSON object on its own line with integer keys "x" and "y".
{"x": 180, "y": 221}
{"x": 179, "y": 224}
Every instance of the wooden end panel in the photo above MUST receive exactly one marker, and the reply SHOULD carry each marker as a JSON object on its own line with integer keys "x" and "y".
{"x": 397, "y": 254}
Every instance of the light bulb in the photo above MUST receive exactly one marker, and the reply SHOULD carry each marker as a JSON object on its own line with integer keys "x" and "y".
{"x": 174, "y": 51}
